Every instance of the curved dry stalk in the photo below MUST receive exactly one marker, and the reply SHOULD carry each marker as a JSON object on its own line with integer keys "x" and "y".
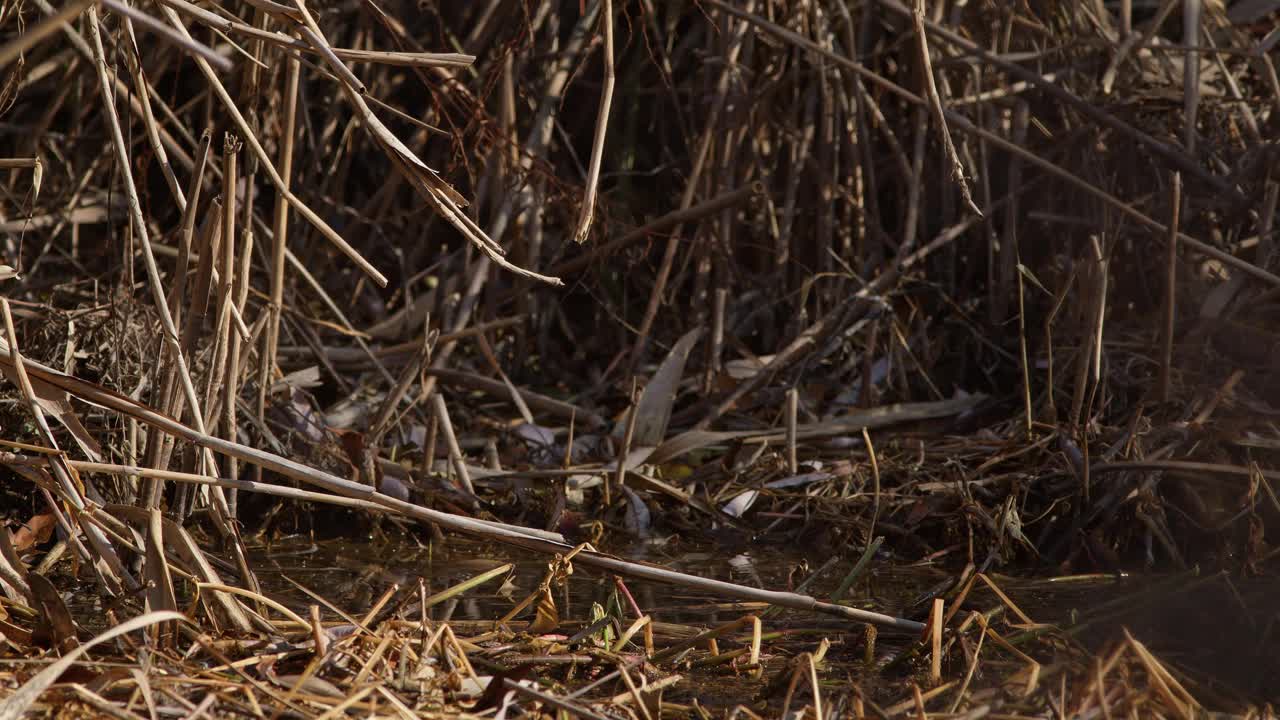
{"x": 16, "y": 705}
{"x": 935, "y": 106}
{"x": 602, "y": 126}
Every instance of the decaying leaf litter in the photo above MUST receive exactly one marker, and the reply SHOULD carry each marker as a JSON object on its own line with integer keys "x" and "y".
{"x": 978, "y": 289}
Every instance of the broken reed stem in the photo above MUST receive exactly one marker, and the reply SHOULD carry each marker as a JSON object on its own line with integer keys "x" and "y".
{"x": 217, "y": 379}
{"x": 935, "y": 638}
{"x": 240, "y": 297}
{"x": 627, "y": 436}
{"x": 441, "y": 413}
{"x": 602, "y": 126}
{"x": 793, "y": 403}
{"x": 1168, "y": 306}
{"x": 935, "y": 106}
{"x": 715, "y": 348}
{"x": 875, "y": 477}
{"x": 433, "y": 436}
{"x": 1028, "y": 411}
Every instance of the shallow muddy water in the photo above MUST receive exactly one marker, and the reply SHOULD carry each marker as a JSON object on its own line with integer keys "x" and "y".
{"x": 352, "y": 575}
{"x": 1217, "y": 628}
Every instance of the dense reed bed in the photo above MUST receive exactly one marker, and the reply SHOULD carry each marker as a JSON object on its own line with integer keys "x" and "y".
{"x": 981, "y": 290}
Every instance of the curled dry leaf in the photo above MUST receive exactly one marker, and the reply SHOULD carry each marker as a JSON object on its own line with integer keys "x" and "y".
{"x": 33, "y": 532}
{"x": 56, "y": 625}
{"x": 548, "y": 617}
{"x": 639, "y": 519}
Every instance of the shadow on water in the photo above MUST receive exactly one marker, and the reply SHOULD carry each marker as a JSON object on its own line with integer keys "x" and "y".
{"x": 352, "y": 575}
{"x": 1221, "y": 630}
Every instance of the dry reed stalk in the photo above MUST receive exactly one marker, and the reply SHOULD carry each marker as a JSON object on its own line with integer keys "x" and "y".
{"x": 836, "y": 239}
{"x": 138, "y": 225}
{"x": 1003, "y": 144}
{"x": 224, "y": 267}
{"x": 268, "y": 361}
{"x": 232, "y": 386}
{"x": 793, "y": 402}
{"x": 441, "y": 411}
{"x": 1168, "y": 310}
{"x": 686, "y": 200}
{"x": 624, "y": 450}
{"x": 602, "y": 126}
{"x": 935, "y": 106}
{"x": 114, "y": 577}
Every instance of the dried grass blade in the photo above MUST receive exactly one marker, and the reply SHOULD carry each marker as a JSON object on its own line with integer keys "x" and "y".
{"x": 466, "y": 585}
{"x": 653, "y": 410}
{"x": 17, "y": 704}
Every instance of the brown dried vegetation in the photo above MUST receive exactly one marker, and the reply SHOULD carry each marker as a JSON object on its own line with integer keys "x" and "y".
{"x": 979, "y": 293}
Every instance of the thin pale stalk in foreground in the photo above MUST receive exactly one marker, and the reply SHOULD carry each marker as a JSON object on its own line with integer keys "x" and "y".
{"x": 935, "y": 105}
{"x": 1169, "y": 305}
{"x": 602, "y": 126}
